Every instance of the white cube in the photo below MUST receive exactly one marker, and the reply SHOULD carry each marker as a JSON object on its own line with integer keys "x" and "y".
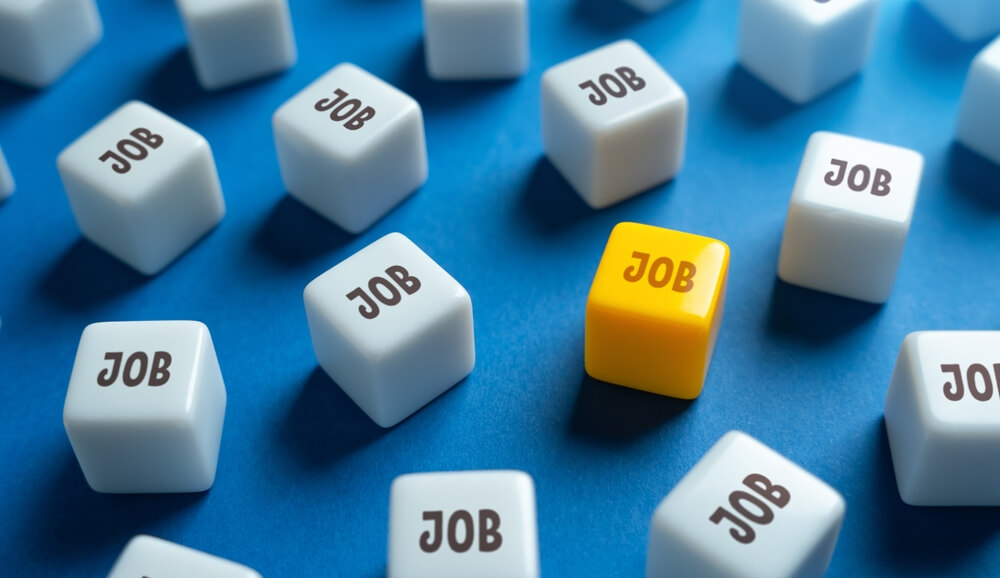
{"x": 614, "y": 123}
{"x": 802, "y": 48}
{"x": 849, "y": 216}
{"x": 145, "y": 407}
{"x": 391, "y": 327}
{"x": 6, "y": 180}
{"x": 745, "y": 511}
{"x": 351, "y": 147}
{"x": 969, "y": 20}
{"x": 475, "y": 39}
{"x": 149, "y": 556}
{"x": 941, "y": 418}
{"x": 142, "y": 186}
{"x": 979, "y": 115}
{"x": 231, "y": 41}
{"x": 41, "y": 39}
{"x": 462, "y": 524}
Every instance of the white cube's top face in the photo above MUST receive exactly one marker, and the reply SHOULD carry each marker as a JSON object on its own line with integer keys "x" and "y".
{"x": 859, "y": 178}
{"x": 750, "y": 509}
{"x": 218, "y": 7}
{"x": 156, "y": 558}
{"x": 385, "y": 295}
{"x": 957, "y": 377}
{"x": 612, "y": 85}
{"x": 136, "y": 371}
{"x": 463, "y": 524}
{"x": 344, "y": 111}
{"x": 819, "y": 12}
{"x": 129, "y": 152}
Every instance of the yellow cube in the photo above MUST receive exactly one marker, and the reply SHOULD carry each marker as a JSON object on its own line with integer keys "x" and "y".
{"x": 654, "y": 309}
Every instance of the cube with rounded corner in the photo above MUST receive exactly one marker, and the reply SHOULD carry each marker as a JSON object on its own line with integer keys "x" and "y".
{"x": 41, "y": 39}
{"x": 142, "y": 186}
{"x": 979, "y": 116}
{"x": 654, "y": 310}
{"x": 145, "y": 407}
{"x": 803, "y": 48}
{"x": 969, "y": 20}
{"x": 148, "y": 556}
{"x": 614, "y": 123}
{"x": 391, "y": 327}
{"x": 351, "y": 147}
{"x": 6, "y": 179}
{"x": 745, "y": 511}
{"x": 941, "y": 418}
{"x": 232, "y": 41}
{"x": 849, "y": 216}
{"x": 475, "y": 39}
{"x": 462, "y": 524}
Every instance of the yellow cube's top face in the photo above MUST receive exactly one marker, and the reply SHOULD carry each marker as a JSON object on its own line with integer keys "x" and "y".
{"x": 660, "y": 273}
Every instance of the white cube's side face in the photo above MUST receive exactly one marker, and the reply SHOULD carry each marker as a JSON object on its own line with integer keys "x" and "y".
{"x": 6, "y": 179}
{"x": 145, "y": 406}
{"x": 351, "y": 146}
{"x": 744, "y": 510}
{"x": 979, "y": 119}
{"x": 969, "y": 20}
{"x": 460, "y": 524}
{"x": 41, "y": 39}
{"x": 391, "y": 327}
{"x": 149, "y": 556}
{"x": 614, "y": 122}
{"x": 475, "y": 39}
{"x": 236, "y": 40}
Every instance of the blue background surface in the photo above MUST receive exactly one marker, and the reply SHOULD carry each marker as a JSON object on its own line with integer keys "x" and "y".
{"x": 303, "y": 479}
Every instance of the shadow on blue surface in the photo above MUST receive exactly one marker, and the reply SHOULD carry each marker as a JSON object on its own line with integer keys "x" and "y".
{"x": 753, "y": 101}
{"x": 173, "y": 85}
{"x": 607, "y": 15}
{"x": 927, "y": 39}
{"x": 974, "y": 177}
{"x": 813, "y": 317}
{"x": 547, "y": 203}
{"x": 86, "y": 275}
{"x": 294, "y": 234}
{"x": 607, "y": 413}
{"x": 12, "y": 94}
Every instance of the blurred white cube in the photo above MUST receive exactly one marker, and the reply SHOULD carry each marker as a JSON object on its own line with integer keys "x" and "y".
{"x": 145, "y": 407}
{"x": 6, "y": 179}
{"x": 614, "y": 123}
{"x": 391, "y": 327}
{"x": 463, "y": 524}
{"x": 41, "y": 39}
{"x": 149, "y": 556}
{"x": 745, "y": 511}
{"x": 231, "y": 41}
{"x": 803, "y": 48}
{"x": 979, "y": 114}
{"x": 351, "y": 147}
{"x": 142, "y": 186}
{"x": 969, "y": 20}
{"x": 941, "y": 418}
{"x": 475, "y": 39}
{"x": 849, "y": 216}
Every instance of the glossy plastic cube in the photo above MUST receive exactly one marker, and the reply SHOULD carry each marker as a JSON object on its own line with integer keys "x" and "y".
{"x": 613, "y": 123}
{"x": 351, "y": 147}
{"x": 803, "y": 48}
{"x": 745, "y": 511}
{"x": 970, "y": 20}
{"x": 153, "y": 557}
{"x": 145, "y": 407}
{"x": 475, "y": 39}
{"x": 41, "y": 39}
{"x": 142, "y": 186}
{"x": 849, "y": 216}
{"x": 979, "y": 115}
{"x": 391, "y": 328}
{"x": 231, "y": 41}
{"x": 462, "y": 524}
{"x": 654, "y": 310}
{"x": 941, "y": 418}
{"x": 6, "y": 180}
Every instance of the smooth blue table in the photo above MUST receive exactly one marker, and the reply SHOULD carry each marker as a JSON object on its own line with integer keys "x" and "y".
{"x": 303, "y": 480}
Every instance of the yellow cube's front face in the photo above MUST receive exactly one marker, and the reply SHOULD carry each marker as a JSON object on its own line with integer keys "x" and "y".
{"x": 654, "y": 309}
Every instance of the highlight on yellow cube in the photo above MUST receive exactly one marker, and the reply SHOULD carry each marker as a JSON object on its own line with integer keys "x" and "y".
{"x": 654, "y": 309}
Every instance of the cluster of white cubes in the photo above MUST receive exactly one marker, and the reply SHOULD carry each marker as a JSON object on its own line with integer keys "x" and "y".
{"x": 803, "y": 48}
{"x": 979, "y": 116}
{"x": 149, "y": 556}
{"x": 475, "y": 39}
{"x": 969, "y": 20}
{"x": 391, "y": 327}
{"x": 614, "y": 123}
{"x": 41, "y": 39}
{"x": 849, "y": 216}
